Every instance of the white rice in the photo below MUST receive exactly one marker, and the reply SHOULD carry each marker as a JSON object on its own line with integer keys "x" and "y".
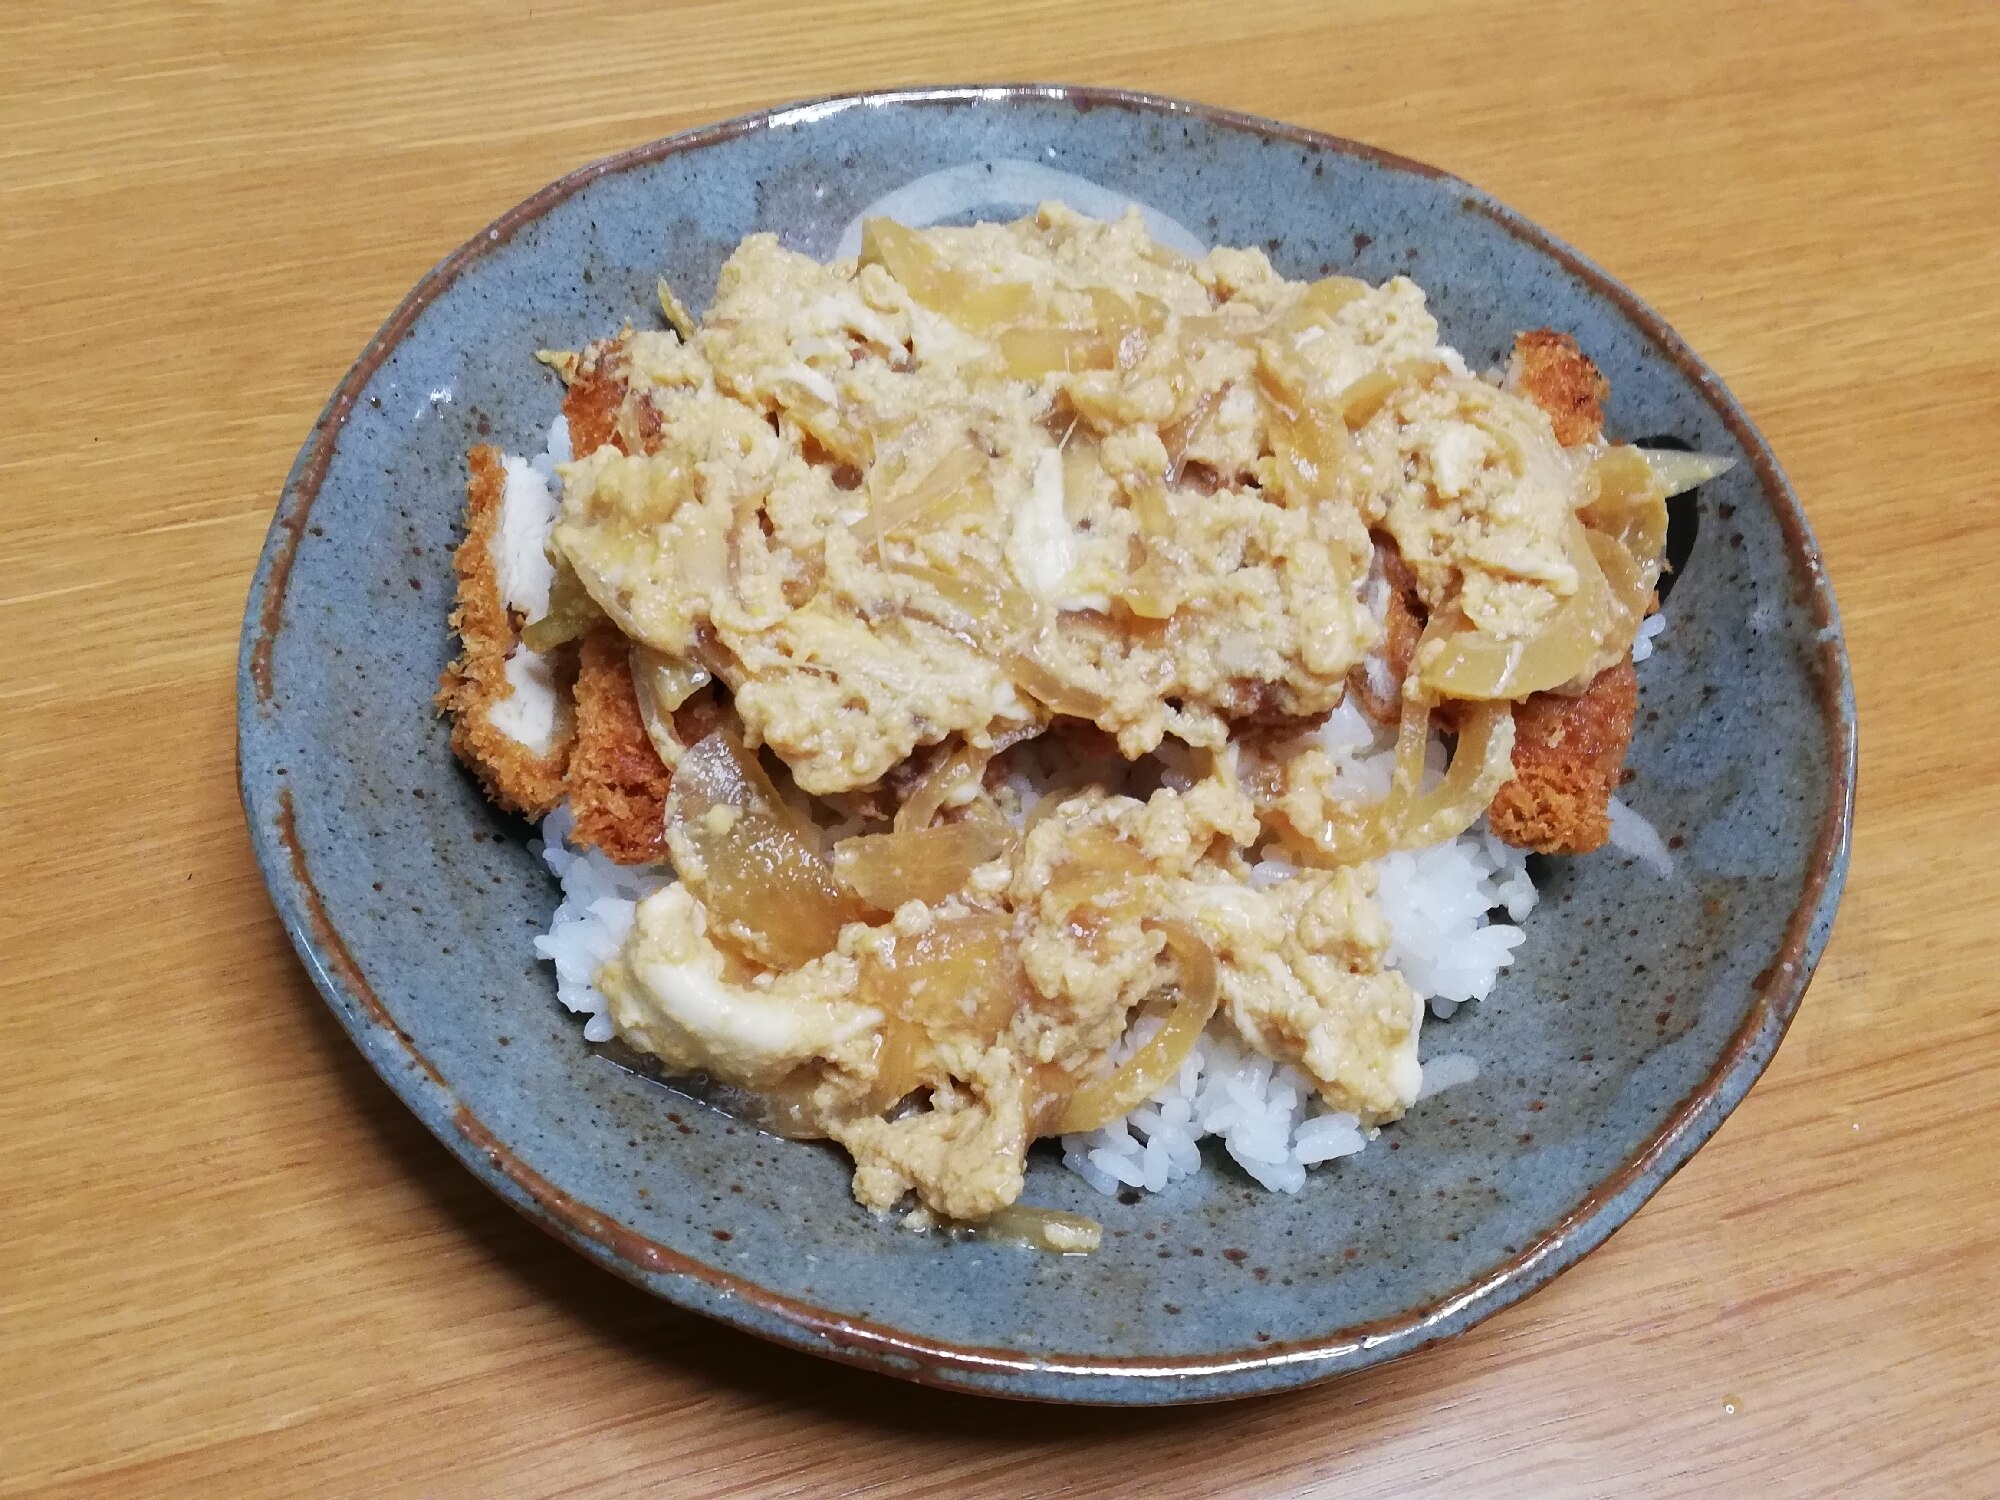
{"x": 1632, "y": 834}
{"x": 593, "y": 920}
{"x": 1650, "y": 630}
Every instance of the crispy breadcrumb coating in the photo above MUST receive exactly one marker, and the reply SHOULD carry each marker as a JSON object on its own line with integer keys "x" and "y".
{"x": 617, "y": 781}
{"x": 1550, "y": 370}
{"x": 1569, "y": 756}
{"x": 1569, "y": 751}
{"x": 513, "y": 774}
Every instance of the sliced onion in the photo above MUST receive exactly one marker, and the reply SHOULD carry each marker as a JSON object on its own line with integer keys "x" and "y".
{"x": 928, "y": 797}
{"x": 956, "y": 483}
{"x": 1064, "y": 785}
{"x": 1679, "y": 472}
{"x": 1180, "y": 434}
{"x": 950, "y": 291}
{"x": 1013, "y": 188}
{"x": 1030, "y": 352}
{"x": 1115, "y": 338}
{"x": 1353, "y": 833}
{"x": 916, "y": 864}
{"x": 1148, "y": 1070}
{"x": 1097, "y": 865}
{"x": 704, "y": 555}
{"x": 1311, "y": 444}
{"x": 1630, "y": 503}
{"x": 1151, "y": 507}
{"x": 1038, "y": 680}
{"x": 571, "y": 613}
{"x": 759, "y": 873}
{"x": 1481, "y": 763}
{"x": 1153, "y": 590}
{"x": 662, "y": 684}
{"x": 988, "y": 610}
{"x": 674, "y": 310}
{"x": 1360, "y": 401}
{"x": 960, "y": 979}
{"x": 1630, "y": 588}
{"x": 1313, "y": 308}
{"x": 1471, "y": 664}
{"x": 671, "y": 682}
{"x": 1328, "y": 295}
{"x": 1409, "y": 818}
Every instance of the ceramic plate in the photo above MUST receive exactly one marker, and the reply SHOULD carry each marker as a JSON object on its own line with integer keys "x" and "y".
{"x": 1641, "y": 1009}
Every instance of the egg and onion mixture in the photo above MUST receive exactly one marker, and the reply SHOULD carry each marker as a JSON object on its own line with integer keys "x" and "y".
{"x": 1050, "y": 482}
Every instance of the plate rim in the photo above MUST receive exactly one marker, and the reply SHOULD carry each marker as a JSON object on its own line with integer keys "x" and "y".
{"x": 706, "y": 1288}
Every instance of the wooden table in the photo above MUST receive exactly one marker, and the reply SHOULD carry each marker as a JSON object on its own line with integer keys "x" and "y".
{"x": 232, "y": 1263}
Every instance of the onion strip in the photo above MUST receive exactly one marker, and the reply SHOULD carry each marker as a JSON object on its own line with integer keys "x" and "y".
{"x": 1038, "y": 680}
{"x": 1679, "y": 472}
{"x": 756, "y": 864}
{"x": 1481, "y": 764}
{"x": 1471, "y": 664}
{"x": 1410, "y": 818}
{"x": 1014, "y": 188}
{"x": 916, "y": 864}
{"x": 928, "y": 797}
{"x": 661, "y": 684}
{"x": 1148, "y": 1070}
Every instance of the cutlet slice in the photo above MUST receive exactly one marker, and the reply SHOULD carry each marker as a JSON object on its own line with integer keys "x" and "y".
{"x": 1569, "y": 756}
{"x": 511, "y": 722}
{"x": 617, "y": 781}
{"x": 1550, "y": 370}
{"x": 600, "y": 404}
{"x": 1569, "y": 752}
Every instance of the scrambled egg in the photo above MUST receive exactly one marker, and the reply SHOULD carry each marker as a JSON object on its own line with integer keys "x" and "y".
{"x": 1041, "y": 476}
{"x": 980, "y": 480}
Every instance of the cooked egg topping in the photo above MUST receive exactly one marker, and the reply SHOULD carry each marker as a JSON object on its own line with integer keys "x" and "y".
{"x": 981, "y": 482}
{"x": 979, "y": 476}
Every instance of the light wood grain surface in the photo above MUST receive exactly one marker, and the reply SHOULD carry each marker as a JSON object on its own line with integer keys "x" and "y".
{"x": 231, "y": 1263}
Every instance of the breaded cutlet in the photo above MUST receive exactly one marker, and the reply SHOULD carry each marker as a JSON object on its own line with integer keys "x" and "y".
{"x": 617, "y": 781}
{"x": 600, "y": 405}
{"x": 604, "y": 762}
{"x": 1569, "y": 752}
{"x": 1569, "y": 756}
{"x": 1550, "y": 370}
{"x": 1402, "y": 627}
{"x": 513, "y": 774}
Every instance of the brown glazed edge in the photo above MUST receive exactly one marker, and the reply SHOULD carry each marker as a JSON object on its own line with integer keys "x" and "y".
{"x": 1780, "y": 986}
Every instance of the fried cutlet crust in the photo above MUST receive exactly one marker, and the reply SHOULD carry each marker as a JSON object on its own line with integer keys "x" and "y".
{"x": 513, "y": 775}
{"x": 605, "y": 764}
{"x": 617, "y": 781}
{"x": 1569, "y": 752}
{"x": 1569, "y": 756}
{"x": 601, "y": 407}
{"x": 1550, "y": 370}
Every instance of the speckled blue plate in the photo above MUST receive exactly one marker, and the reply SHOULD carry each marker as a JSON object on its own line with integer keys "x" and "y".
{"x": 1641, "y": 1011}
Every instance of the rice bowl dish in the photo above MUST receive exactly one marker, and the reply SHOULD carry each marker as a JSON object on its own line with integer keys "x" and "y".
{"x": 414, "y": 899}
